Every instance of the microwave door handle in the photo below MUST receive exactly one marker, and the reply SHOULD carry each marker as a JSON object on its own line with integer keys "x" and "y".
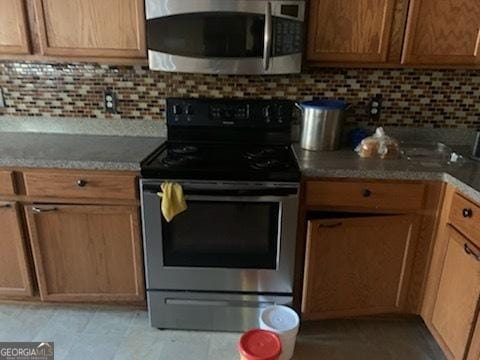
{"x": 267, "y": 43}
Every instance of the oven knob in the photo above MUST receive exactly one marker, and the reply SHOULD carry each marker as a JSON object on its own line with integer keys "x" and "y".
{"x": 216, "y": 112}
{"x": 227, "y": 113}
{"x": 267, "y": 111}
{"x": 177, "y": 110}
{"x": 189, "y": 110}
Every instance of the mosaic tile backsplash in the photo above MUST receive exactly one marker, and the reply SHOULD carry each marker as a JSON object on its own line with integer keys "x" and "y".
{"x": 416, "y": 98}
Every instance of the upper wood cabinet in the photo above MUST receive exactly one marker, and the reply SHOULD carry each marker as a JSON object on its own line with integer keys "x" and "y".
{"x": 358, "y": 266}
{"x": 455, "y": 309}
{"x": 350, "y": 30}
{"x": 443, "y": 32}
{"x": 91, "y": 28}
{"x": 15, "y": 278}
{"x": 87, "y": 253}
{"x": 13, "y": 27}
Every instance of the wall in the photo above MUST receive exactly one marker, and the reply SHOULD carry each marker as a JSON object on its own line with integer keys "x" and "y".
{"x": 418, "y": 98}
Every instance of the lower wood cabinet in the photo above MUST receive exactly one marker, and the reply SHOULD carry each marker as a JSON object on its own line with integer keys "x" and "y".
{"x": 474, "y": 350}
{"x": 15, "y": 280}
{"x": 456, "y": 304}
{"x": 86, "y": 253}
{"x": 358, "y": 266}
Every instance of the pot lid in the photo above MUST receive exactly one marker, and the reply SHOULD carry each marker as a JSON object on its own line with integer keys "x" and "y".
{"x": 280, "y": 318}
{"x": 259, "y": 344}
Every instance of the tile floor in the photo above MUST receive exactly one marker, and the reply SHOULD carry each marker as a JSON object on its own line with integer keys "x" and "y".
{"x": 118, "y": 334}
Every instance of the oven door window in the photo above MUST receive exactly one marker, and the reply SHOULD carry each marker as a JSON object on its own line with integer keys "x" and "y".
{"x": 208, "y": 34}
{"x": 223, "y": 235}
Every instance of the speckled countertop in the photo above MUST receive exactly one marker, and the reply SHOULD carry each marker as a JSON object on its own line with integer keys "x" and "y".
{"x": 78, "y": 143}
{"x": 346, "y": 164}
{"x": 123, "y": 144}
{"x": 96, "y": 152}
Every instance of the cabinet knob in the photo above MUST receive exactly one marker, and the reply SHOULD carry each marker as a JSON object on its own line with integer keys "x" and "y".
{"x": 81, "y": 183}
{"x": 366, "y": 193}
{"x": 467, "y": 213}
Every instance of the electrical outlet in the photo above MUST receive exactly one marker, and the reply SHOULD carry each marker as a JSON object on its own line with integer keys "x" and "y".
{"x": 110, "y": 101}
{"x": 375, "y": 106}
{"x": 2, "y": 99}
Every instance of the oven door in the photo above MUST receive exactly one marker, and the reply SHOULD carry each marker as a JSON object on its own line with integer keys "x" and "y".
{"x": 232, "y": 237}
{"x": 225, "y": 36}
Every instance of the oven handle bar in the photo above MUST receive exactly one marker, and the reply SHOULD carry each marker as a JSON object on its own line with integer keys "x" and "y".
{"x": 233, "y": 195}
{"x": 229, "y": 191}
{"x": 217, "y": 197}
{"x": 236, "y": 198}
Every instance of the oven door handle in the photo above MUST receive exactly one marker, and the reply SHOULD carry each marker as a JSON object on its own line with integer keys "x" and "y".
{"x": 230, "y": 198}
{"x": 230, "y": 193}
{"x": 264, "y": 198}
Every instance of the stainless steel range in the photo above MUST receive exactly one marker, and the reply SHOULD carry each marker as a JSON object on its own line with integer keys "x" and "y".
{"x": 231, "y": 253}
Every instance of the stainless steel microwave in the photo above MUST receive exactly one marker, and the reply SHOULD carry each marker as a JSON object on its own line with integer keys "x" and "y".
{"x": 225, "y": 36}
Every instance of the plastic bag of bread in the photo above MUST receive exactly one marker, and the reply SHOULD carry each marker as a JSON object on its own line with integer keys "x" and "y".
{"x": 379, "y": 145}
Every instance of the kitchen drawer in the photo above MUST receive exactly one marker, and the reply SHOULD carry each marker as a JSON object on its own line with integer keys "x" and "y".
{"x": 7, "y": 186}
{"x": 369, "y": 195}
{"x": 80, "y": 185}
{"x": 465, "y": 216}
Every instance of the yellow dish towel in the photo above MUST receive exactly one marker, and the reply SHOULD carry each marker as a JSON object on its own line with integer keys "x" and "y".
{"x": 173, "y": 200}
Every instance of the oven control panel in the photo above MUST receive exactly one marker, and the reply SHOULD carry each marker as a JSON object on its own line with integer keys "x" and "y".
{"x": 224, "y": 111}
{"x": 229, "y": 113}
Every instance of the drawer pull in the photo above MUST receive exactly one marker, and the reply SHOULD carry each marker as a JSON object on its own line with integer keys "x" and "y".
{"x": 467, "y": 213}
{"x": 41, "y": 210}
{"x": 330, "y": 226}
{"x": 366, "y": 193}
{"x": 471, "y": 252}
{"x": 5, "y": 206}
{"x": 81, "y": 183}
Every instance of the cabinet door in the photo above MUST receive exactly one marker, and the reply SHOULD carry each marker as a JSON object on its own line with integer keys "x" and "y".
{"x": 350, "y": 30}
{"x": 474, "y": 349}
{"x": 455, "y": 308}
{"x": 106, "y": 28}
{"x": 357, "y": 266}
{"x": 443, "y": 32}
{"x": 14, "y": 266}
{"x": 13, "y": 27}
{"x": 86, "y": 253}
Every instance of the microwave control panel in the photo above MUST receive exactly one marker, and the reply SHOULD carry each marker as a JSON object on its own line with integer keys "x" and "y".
{"x": 288, "y": 37}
